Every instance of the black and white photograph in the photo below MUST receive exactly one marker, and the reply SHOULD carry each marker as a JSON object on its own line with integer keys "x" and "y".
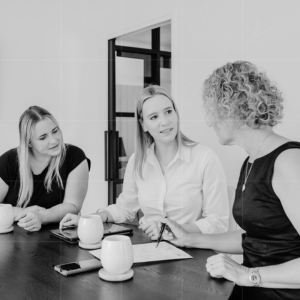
{"x": 149, "y": 149}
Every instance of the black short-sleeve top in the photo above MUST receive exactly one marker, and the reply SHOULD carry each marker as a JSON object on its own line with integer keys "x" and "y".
{"x": 9, "y": 173}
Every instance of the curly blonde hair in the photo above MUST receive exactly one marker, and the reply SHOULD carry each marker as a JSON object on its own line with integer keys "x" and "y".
{"x": 240, "y": 91}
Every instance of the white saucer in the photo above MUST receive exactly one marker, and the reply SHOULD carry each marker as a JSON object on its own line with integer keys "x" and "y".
{"x": 7, "y": 229}
{"x": 103, "y": 274}
{"x": 90, "y": 246}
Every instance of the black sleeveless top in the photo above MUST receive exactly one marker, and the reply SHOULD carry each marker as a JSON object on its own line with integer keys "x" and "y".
{"x": 270, "y": 237}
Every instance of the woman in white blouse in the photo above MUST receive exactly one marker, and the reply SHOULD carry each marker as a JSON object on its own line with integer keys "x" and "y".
{"x": 168, "y": 175}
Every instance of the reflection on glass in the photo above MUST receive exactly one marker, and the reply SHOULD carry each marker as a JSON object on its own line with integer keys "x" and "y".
{"x": 129, "y": 83}
{"x": 119, "y": 188}
{"x": 165, "y": 79}
{"x": 165, "y": 38}
{"x": 140, "y": 39}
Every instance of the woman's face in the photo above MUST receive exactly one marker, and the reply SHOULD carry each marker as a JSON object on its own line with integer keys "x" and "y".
{"x": 46, "y": 139}
{"x": 160, "y": 119}
{"x": 226, "y": 130}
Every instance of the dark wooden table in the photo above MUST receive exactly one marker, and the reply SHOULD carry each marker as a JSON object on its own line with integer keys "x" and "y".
{"x": 27, "y": 261}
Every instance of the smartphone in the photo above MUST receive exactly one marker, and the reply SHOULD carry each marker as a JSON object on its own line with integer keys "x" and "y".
{"x": 70, "y": 235}
{"x": 78, "y": 267}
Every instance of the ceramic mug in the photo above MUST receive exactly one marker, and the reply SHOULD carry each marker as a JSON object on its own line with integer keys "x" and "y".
{"x": 117, "y": 254}
{"x": 6, "y": 216}
{"x": 90, "y": 229}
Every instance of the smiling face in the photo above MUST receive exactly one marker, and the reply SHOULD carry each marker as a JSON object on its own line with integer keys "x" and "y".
{"x": 160, "y": 119}
{"x": 46, "y": 139}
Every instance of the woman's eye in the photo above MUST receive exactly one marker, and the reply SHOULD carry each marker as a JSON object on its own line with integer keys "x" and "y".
{"x": 153, "y": 118}
{"x": 54, "y": 131}
{"x": 169, "y": 111}
{"x": 42, "y": 138}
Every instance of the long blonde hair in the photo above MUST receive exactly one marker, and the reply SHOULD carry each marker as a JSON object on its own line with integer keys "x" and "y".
{"x": 143, "y": 140}
{"x": 27, "y": 123}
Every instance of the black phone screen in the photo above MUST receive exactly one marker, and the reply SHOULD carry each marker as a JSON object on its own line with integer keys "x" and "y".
{"x": 70, "y": 267}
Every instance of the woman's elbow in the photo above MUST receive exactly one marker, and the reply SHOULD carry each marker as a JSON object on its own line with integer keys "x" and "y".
{"x": 74, "y": 208}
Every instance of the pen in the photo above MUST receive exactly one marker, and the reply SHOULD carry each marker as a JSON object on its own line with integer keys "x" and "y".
{"x": 161, "y": 233}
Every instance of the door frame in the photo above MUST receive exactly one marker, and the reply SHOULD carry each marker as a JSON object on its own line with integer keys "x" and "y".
{"x": 111, "y": 135}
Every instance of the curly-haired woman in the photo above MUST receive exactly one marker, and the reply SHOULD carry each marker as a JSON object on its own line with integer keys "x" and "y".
{"x": 243, "y": 106}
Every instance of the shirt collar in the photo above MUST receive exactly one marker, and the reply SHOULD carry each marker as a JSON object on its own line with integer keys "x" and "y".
{"x": 183, "y": 153}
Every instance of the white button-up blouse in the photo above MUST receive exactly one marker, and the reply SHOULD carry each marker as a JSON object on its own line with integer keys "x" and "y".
{"x": 192, "y": 190}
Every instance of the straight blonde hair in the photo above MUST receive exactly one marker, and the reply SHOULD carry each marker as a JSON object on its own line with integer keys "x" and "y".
{"x": 27, "y": 123}
{"x": 143, "y": 140}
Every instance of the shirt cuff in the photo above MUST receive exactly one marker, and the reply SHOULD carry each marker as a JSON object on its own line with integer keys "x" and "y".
{"x": 206, "y": 227}
{"x": 115, "y": 213}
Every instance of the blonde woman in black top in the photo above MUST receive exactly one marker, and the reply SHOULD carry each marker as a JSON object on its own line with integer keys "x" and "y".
{"x": 44, "y": 178}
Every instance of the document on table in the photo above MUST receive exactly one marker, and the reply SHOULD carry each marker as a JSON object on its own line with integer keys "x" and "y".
{"x": 149, "y": 252}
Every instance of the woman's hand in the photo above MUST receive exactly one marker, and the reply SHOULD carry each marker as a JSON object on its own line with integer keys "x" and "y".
{"x": 30, "y": 220}
{"x": 69, "y": 220}
{"x": 180, "y": 235}
{"x": 34, "y": 208}
{"x": 150, "y": 228}
{"x": 222, "y": 266}
{"x": 18, "y": 210}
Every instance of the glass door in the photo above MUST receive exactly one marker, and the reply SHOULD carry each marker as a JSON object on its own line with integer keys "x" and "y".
{"x": 134, "y": 62}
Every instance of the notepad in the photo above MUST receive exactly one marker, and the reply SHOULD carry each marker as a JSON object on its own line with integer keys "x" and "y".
{"x": 149, "y": 252}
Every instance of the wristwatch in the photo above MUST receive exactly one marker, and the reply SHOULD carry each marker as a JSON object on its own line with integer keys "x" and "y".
{"x": 255, "y": 277}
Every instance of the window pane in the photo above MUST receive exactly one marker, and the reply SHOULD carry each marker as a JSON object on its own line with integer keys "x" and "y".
{"x": 165, "y": 79}
{"x": 129, "y": 83}
{"x": 165, "y": 38}
{"x": 137, "y": 40}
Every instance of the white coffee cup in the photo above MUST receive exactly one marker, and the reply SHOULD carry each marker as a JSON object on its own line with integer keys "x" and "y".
{"x": 90, "y": 229}
{"x": 117, "y": 254}
{"x": 6, "y": 216}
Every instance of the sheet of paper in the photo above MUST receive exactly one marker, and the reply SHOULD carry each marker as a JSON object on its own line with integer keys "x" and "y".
{"x": 149, "y": 252}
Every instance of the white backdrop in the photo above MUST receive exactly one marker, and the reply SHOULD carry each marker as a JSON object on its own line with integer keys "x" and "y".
{"x": 54, "y": 54}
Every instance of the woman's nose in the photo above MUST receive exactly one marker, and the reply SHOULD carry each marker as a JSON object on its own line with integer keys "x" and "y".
{"x": 164, "y": 120}
{"x": 53, "y": 139}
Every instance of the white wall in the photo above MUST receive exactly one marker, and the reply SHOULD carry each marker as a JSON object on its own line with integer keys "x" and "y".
{"x": 213, "y": 32}
{"x": 54, "y": 54}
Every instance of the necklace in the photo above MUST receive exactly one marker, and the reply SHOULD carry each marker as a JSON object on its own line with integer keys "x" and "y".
{"x": 247, "y": 174}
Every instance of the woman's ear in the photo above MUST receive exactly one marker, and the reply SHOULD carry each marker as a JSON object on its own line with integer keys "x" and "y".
{"x": 143, "y": 126}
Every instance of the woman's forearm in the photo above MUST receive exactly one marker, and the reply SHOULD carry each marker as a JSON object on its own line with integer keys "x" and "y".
{"x": 286, "y": 275}
{"x": 57, "y": 212}
{"x": 228, "y": 242}
{"x": 105, "y": 216}
{"x": 192, "y": 227}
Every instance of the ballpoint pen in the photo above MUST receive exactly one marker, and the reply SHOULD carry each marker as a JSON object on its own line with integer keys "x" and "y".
{"x": 160, "y": 233}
